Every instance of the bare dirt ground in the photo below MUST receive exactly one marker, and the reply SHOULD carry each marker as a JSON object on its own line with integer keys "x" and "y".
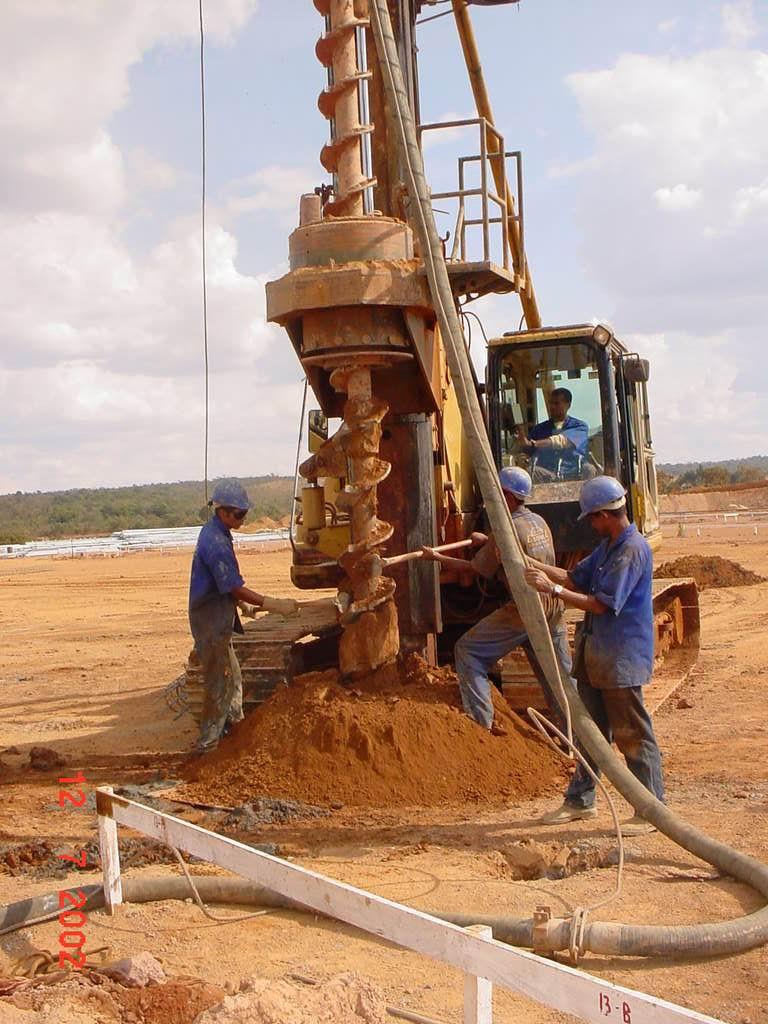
{"x": 88, "y": 646}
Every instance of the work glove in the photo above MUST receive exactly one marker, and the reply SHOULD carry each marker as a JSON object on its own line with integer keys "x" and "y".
{"x": 285, "y": 606}
{"x": 250, "y": 611}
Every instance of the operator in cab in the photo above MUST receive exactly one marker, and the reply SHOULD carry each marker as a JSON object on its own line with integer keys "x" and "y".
{"x": 614, "y": 655}
{"x": 558, "y": 446}
{"x": 503, "y": 630}
{"x": 215, "y": 587}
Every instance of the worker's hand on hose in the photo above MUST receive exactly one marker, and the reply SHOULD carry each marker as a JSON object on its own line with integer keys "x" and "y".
{"x": 250, "y": 611}
{"x": 429, "y": 554}
{"x": 285, "y": 606}
{"x": 538, "y": 580}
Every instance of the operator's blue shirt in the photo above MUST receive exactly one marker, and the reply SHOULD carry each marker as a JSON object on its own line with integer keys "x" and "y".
{"x": 214, "y": 566}
{"x": 619, "y": 644}
{"x": 576, "y": 431}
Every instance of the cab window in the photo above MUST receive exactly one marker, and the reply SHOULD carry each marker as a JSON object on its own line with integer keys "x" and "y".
{"x": 549, "y": 412}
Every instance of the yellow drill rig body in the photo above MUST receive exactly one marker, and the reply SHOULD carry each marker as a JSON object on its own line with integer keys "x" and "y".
{"x": 396, "y": 473}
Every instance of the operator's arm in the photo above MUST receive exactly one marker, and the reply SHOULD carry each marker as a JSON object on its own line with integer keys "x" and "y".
{"x": 542, "y": 582}
{"x": 281, "y": 605}
{"x": 249, "y": 596}
{"x": 459, "y": 564}
{"x": 545, "y": 578}
{"x": 553, "y": 572}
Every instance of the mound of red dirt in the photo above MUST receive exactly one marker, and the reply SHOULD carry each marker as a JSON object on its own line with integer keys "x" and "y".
{"x": 397, "y": 738}
{"x": 710, "y": 571}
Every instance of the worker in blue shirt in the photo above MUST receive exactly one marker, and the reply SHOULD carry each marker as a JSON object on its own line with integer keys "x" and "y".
{"x": 558, "y": 446}
{"x": 615, "y": 655}
{"x": 215, "y": 587}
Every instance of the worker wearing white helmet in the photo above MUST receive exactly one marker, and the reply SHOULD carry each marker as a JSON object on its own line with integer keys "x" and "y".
{"x": 215, "y": 587}
{"x": 503, "y": 630}
{"x": 615, "y": 655}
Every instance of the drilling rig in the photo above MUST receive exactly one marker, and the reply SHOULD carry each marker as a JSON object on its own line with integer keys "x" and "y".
{"x": 397, "y": 474}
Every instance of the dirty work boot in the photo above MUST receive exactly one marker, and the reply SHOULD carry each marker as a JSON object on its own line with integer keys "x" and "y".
{"x": 636, "y": 826}
{"x": 567, "y": 812}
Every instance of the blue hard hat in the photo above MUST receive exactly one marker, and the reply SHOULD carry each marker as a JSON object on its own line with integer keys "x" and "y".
{"x": 231, "y": 494}
{"x": 516, "y": 481}
{"x": 601, "y": 493}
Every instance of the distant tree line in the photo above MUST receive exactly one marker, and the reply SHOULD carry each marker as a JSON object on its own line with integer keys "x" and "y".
{"x": 103, "y": 510}
{"x": 713, "y": 474}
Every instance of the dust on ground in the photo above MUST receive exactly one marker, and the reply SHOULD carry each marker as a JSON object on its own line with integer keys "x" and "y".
{"x": 89, "y": 646}
{"x": 710, "y": 571}
{"x": 369, "y": 745}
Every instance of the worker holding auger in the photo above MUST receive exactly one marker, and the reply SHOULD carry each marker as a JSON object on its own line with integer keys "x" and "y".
{"x": 503, "y": 630}
{"x": 614, "y": 657}
{"x": 215, "y": 587}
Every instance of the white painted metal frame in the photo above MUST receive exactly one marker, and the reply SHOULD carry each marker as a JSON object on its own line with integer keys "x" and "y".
{"x": 545, "y": 981}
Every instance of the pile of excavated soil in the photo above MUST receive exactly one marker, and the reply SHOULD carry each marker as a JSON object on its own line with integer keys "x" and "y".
{"x": 396, "y": 738}
{"x": 710, "y": 571}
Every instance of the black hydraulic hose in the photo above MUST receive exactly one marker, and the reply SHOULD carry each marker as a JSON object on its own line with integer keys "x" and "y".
{"x": 608, "y": 939}
{"x": 708, "y": 939}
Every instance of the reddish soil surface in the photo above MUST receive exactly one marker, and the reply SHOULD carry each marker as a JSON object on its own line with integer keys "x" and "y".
{"x": 368, "y": 746}
{"x": 88, "y": 646}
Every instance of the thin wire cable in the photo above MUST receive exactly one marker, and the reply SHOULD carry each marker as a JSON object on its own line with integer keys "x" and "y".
{"x": 202, "y": 906}
{"x": 203, "y": 240}
{"x": 580, "y": 913}
{"x": 471, "y": 312}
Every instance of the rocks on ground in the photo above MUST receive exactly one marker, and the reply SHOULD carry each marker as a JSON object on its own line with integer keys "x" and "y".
{"x": 344, "y": 999}
{"x": 527, "y": 860}
{"x": 75, "y": 998}
{"x": 45, "y": 759}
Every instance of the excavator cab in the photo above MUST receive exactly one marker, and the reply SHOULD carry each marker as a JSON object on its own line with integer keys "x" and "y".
{"x": 580, "y": 391}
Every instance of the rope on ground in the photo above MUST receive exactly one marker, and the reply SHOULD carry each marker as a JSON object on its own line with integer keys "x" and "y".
{"x": 580, "y": 914}
{"x": 42, "y": 962}
{"x": 202, "y": 906}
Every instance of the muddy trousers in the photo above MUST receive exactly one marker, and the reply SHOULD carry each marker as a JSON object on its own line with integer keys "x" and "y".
{"x": 623, "y": 719}
{"x": 482, "y": 646}
{"x": 223, "y": 698}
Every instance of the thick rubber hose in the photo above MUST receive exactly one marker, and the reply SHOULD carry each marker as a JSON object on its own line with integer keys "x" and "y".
{"x": 708, "y": 939}
{"x": 608, "y": 939}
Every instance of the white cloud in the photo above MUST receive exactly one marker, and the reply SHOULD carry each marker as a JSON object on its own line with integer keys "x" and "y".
{"x": 739, "y": 24}
{"x": 101, "y": 372}
{"x": 441, "y": 136}
{"x": 274, "y": 188}
{"x": 151, "y": 172}
{"x": 685, "y": 135}
{"x": 751, "y": 201}
{"x": 668, "y": 25}
{"x": 678, "y": 198}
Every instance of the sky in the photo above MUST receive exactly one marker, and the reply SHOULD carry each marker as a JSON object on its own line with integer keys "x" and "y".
{"x": 645, "y": 155}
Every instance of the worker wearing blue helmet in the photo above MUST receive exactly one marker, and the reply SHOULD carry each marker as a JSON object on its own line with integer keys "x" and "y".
{"x": 215, "y": 587}
{"x": 503, "y": 630}
{"x": 614, "y": 660}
